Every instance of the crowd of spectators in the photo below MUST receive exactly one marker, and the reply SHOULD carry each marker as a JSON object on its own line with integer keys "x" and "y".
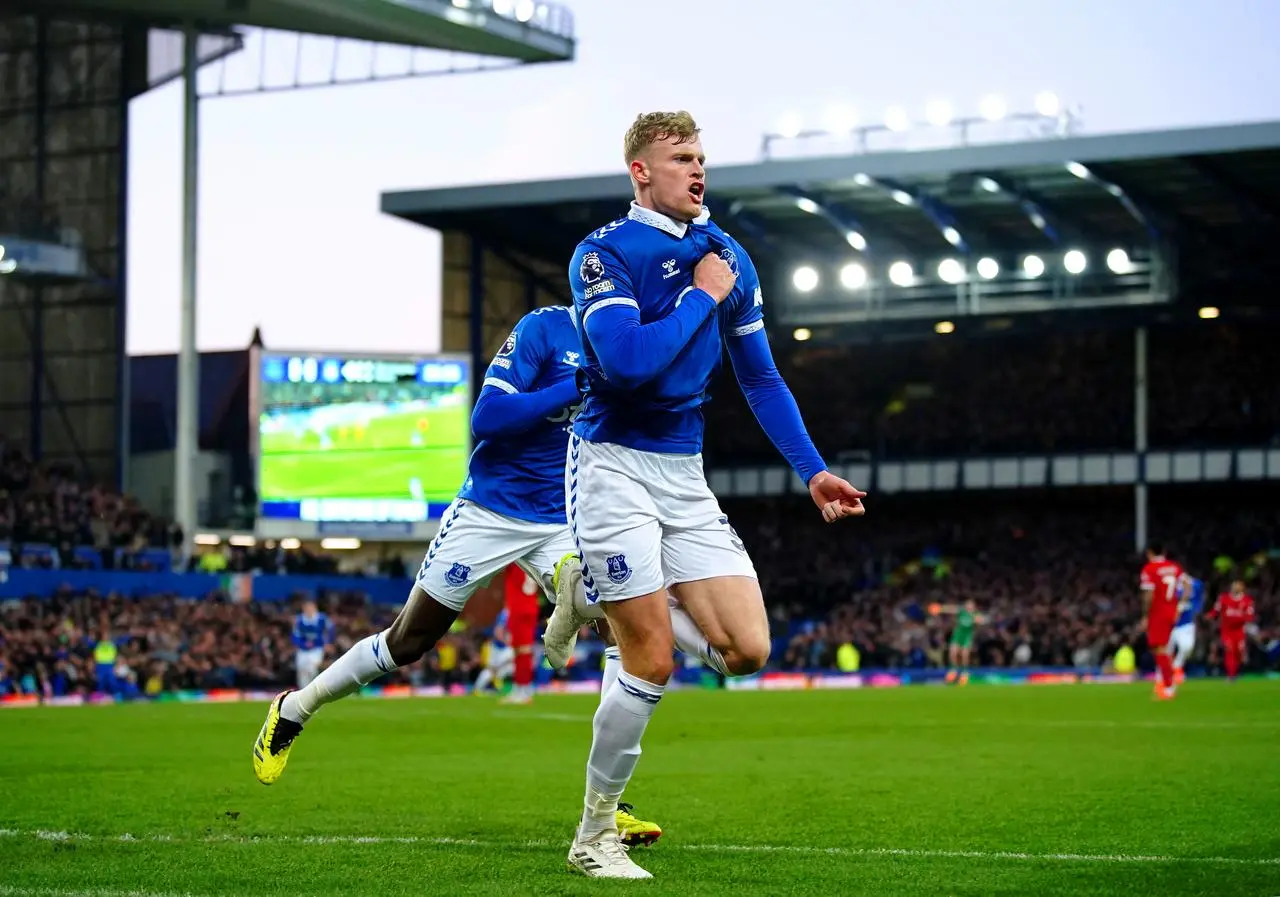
{"x": 1056, "y": 573}
{"x": 74, "y": 525}
{"x": 1208, "y": 386}
{"x": 48, "y": 646}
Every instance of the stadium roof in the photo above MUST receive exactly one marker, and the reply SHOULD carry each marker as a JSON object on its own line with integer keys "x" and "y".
{"x": 437, "y": 24}
{"x": 1217, "y": 188}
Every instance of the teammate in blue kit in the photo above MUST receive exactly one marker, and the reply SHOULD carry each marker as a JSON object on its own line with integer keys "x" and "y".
{"x": 1182, "y": 641}
{"x": 510, "y": 509}
{"x": 312, "y": 633}
{"x": 658, "y": 293}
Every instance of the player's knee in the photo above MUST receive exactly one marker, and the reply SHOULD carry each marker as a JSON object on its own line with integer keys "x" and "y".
{"x": 650, "y": 664}
{"x": 746, "y": 657}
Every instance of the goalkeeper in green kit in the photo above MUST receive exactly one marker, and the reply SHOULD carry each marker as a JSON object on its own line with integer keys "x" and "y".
{"x": 960, "y": 651}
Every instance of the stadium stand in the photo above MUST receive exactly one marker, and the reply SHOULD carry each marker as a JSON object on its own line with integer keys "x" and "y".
{"x": 1055, "y": 570}
{"x": 1209, "y": 386}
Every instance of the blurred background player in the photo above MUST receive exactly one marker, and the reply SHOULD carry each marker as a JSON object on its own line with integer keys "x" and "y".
{"x": 1159, "y": 583}
{"x": 960, "y": 649}
{"x": 1183, "y": 640}
{"x": 1235, "y": 611}
{"x": 499, "y": 661}
{"x": 312, "y": 634}
{"x": 521, "y": 594}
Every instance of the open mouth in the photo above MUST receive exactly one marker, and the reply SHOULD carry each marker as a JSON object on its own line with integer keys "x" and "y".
{"x": 696, "y": 190}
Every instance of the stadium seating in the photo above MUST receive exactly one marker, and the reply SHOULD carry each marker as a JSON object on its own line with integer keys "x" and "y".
{"x": 1056, "y": 570}
{"x": 1208, "y": 386}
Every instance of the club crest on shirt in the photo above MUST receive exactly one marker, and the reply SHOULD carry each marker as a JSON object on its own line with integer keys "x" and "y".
{"x": 618, "y": 570}
{"x": 591, "y": 269}
{"x": 730, "y": 259}
{"x": 457, "y": 575}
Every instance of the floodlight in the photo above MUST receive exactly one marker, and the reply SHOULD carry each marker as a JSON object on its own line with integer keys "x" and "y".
{"x": 805, "y": 279}
{"x": 1118, "y": 261}
{"x": 896, "y": 119}
{"x": 951, "y": 271}
{"x": 993, "y": 108}
{"x": 1047, "y": 103}
{"x": 853, "y": 276}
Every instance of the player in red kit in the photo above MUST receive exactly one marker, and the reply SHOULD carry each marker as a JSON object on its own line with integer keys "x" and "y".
{"x": 1159, "y": 583}
{"x": 522, "y": 622}
{"x": 1235, "y": 611}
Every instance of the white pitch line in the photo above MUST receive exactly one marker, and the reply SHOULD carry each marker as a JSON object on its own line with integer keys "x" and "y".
{"x": 557, "y": 717}
{"x": 852, "y": 852}
{"x": 8, "y": 891}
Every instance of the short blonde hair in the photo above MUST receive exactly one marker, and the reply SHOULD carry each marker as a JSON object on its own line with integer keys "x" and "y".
{"x": 651, "y": 127}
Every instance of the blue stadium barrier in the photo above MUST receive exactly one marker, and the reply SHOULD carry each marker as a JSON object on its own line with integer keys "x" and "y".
{"x": 20, "y": 583}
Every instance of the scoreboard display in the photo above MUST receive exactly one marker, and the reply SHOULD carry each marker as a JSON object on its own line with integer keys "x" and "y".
{"x": 360, "y": 438}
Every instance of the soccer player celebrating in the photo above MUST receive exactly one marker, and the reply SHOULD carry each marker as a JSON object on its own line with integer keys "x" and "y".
{"x": 1183, "y": 640}
{"x": 312, "y": 633}
{"x": 960, "y": 649}
{"x": 511, "y": 508}
{"x": 1234, "y": 610}
{"x": 1159, "y": 583}
{"x": 658, "y": 293}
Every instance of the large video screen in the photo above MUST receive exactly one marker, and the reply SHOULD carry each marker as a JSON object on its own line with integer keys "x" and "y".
{"x": 360, "y": 438}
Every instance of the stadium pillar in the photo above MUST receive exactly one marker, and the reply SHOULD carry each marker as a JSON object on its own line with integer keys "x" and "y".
{"x": 187, "y": 436}
{"x": 475, "y": 286}
{"x": 1140, "y": 437}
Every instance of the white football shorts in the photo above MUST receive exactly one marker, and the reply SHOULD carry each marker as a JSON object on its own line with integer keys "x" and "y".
{"x": 1183, "y": 640}
{"x": 308, "y": 665}
{"x": 502, "y": 660}
{"x": 474, "y": 544}
{"x": 644, "y": 521}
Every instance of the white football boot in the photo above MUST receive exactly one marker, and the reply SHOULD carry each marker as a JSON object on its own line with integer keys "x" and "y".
{"x": 561, "y": 635}
{"x": 604, "y": 856}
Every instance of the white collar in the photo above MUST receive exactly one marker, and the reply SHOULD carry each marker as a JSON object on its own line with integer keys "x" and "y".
{"x": 662, "y": 222}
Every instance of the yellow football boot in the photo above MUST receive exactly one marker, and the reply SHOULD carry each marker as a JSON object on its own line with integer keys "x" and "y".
{"x": 271, "y": 750}
{"x": 636, "y": 832}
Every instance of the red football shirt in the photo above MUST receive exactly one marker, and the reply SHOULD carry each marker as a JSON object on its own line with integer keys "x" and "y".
{"x": 1236, "y": 611}
{"x": 1160, "y": 578}
{"x": 521, "y": 593}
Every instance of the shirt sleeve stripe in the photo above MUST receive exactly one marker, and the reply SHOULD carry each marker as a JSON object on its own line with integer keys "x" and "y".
{"x": 500, "y": 384}
{"x": 748, "y": 329}
{"x": 605, "y": 303}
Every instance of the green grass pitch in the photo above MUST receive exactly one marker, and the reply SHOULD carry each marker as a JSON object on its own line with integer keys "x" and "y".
{"x": 377, "y": 462}
{"x": 1055, "y": 790}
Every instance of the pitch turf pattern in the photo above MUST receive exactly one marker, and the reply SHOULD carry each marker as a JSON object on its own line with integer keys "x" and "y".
{"x": 378, "y": 462}
{"x": 1092, "y": 790}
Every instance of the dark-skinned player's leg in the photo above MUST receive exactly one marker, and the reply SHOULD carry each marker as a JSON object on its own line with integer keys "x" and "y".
{"x": 421, "y": 623}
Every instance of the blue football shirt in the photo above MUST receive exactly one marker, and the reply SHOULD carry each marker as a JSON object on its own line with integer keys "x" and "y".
{"x": 1190, "y": 600}
{"x": 522, "y": 475}
{"x": 310, "y": 634}
{"x": 646, "y": 261}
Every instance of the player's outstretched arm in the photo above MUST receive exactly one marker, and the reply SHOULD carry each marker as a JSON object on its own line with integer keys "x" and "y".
{"x": 775, "y": 408}
{"x": 501, "y": 410}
